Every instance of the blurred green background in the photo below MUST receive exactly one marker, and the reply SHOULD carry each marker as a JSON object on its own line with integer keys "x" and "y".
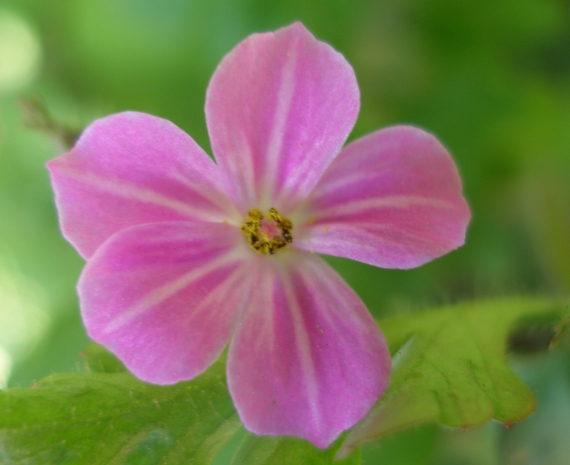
{"x": 490, "y": 78}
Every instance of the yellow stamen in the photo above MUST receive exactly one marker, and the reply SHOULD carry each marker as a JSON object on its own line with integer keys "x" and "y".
{"x": 261, "y": 235}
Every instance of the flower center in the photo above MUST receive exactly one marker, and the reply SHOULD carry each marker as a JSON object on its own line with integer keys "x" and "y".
{"x": 267, "y": 236}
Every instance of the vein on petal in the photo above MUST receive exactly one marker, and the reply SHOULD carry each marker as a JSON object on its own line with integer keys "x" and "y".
{"x": 297, "y": 183}
{"x": 220, "y": 293}
{"x": 396, "y": 201}
{"x": 369, "y": 233}
{"x": 347, "y": 180}
{"x": 284, "y": 100}
{"x": 168, "y": 290}
{"x": 334, "y": 290}
{"x": 264, "y": 308}
{"x": 245, "y": 171}
{"x": 130, "y": 191}
{"x": 304, "y": 349}
{"x": 220, "y": 201}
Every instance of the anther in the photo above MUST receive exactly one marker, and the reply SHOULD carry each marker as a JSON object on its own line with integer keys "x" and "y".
{"x": 267, "y": 237}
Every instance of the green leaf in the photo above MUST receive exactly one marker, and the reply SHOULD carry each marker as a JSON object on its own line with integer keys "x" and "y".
{"x": 110, "y": 417}
{"x": 285, "y": 450}
{"x": 100, "y": 360}
{"x": 104, "y": 418}
{"x": 449, "y": 366}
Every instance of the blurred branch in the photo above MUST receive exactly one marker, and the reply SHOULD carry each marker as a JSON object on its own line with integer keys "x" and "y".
{"x": 37, "y": 117}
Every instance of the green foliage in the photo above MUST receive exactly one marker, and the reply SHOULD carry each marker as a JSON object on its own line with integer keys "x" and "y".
{"x": 110, "y": 417}
{"x": 449, "y": 366}
{"x": 100, "y": 360}
{"x": 103, "y": 418}
{"x": 284, "y": 451}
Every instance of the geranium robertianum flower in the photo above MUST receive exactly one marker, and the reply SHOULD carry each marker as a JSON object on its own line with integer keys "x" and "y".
{"x": 184, "y": 255}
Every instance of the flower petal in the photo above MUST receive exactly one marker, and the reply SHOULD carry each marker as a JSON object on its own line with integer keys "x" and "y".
{"x": 279, "y": 108}
{"x": 391, "y": 199}
{"x": 163, "y": 297}
{"x": 307, "y": 359}
{"x": 132, "y": 168}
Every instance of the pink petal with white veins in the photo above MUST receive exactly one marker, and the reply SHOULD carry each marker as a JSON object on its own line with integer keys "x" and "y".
{"x": 307, "y": 359}
{"x": 391, "y": 199}
{"x": 164, "y": 297}
{"x": 132, "y": 168}
{"x": 279, "y": 108}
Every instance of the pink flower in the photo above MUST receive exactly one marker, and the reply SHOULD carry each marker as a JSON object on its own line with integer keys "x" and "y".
{"x": 184, "y": 255}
